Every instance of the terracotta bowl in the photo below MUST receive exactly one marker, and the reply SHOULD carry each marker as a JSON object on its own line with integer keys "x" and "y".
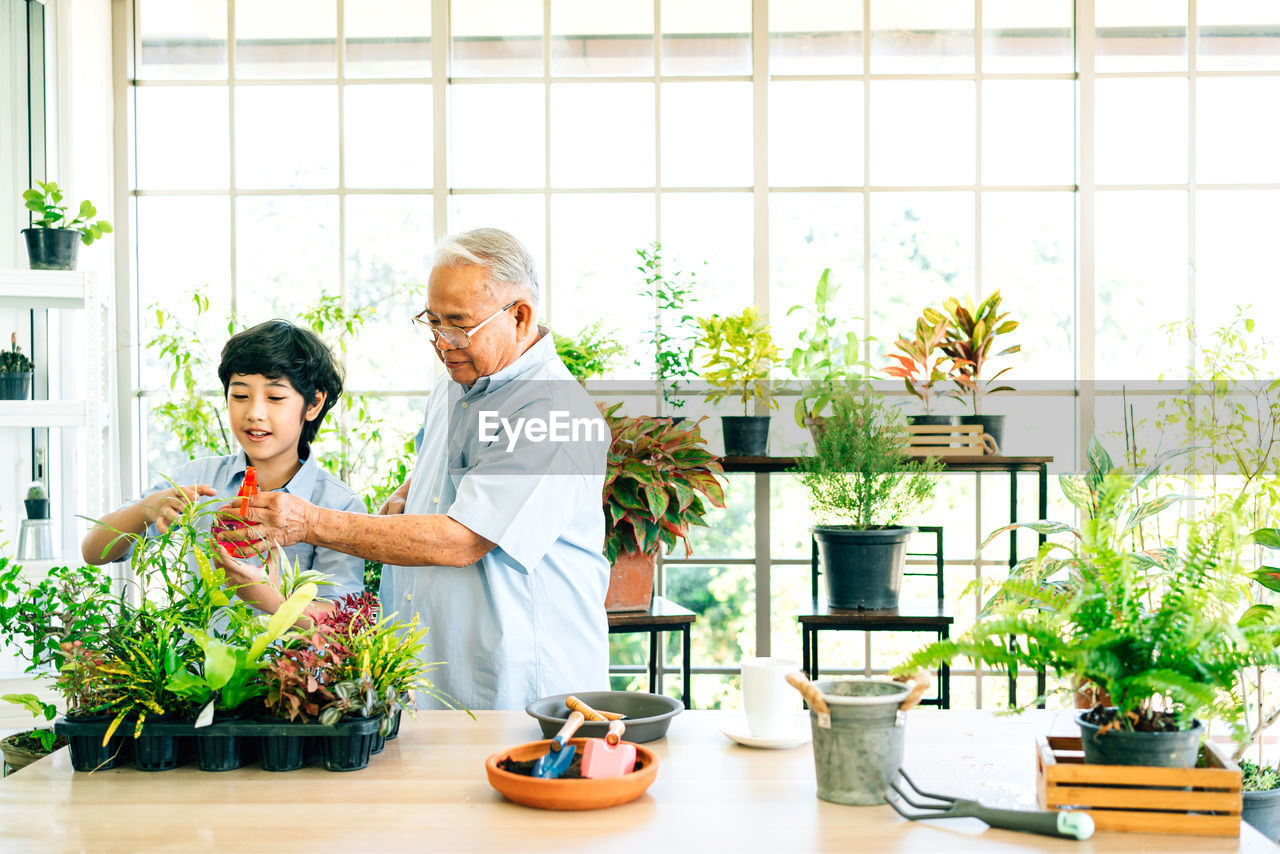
{"x": 568, "y": 794}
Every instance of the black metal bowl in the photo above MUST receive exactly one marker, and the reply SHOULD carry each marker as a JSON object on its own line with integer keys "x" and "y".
{"x": 647, "y": 715}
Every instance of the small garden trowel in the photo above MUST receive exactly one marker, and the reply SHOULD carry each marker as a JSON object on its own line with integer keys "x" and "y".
{"x": 558, "y": 757}
{"x": 608, "y": 756}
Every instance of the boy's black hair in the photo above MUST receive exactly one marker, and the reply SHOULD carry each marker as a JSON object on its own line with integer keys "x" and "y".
{"x": 278, "y": 349}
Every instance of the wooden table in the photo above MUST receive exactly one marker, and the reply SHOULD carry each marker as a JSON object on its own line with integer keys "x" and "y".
{"x": 427, "y": 792}
{"x": 663, "y": 616}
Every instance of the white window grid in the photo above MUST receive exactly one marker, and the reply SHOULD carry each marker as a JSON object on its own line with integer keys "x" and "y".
{"x": 1083, "y": 389}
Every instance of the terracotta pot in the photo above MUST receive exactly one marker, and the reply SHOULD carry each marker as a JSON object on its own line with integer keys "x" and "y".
{"x": 569, "y": 794}
{"x": 1087, "y": 695}
{"x": 630, "y": 583}
{"x": 816, "y": 425}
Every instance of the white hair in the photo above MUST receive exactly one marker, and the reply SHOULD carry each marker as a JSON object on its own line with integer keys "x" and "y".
{"x": 507, "y": 261}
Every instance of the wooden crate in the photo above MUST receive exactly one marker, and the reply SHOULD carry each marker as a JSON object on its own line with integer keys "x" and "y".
{"x": 944, "y": 440}
{"x": 1141, "y": 799}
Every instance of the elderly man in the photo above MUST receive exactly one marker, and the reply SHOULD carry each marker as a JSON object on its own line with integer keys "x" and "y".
{"x": 495, "y": 540}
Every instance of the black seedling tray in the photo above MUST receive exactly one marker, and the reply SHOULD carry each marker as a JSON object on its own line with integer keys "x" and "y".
{"x": 221, "y": 746}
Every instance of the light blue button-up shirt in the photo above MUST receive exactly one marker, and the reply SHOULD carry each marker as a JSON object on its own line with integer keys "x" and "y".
{"x": 312, "y": 483}
{"x": 527, "y": 620}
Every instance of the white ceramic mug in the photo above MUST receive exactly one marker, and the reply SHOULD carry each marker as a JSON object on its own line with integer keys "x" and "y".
{"x": 769, "y": 702}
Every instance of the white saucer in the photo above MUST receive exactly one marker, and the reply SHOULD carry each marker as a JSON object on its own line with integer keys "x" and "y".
{"x": 734, "y": 725}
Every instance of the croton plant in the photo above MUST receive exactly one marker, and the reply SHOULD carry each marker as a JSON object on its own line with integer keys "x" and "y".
{"x": 659, "y": 481}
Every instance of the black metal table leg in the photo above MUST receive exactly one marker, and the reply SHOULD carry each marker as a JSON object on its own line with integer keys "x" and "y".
{"x": 654, "y": 687}
{"x": 813, "y": 655}
{"x": 804, "y": 650}
{"x": 687, "y": 694}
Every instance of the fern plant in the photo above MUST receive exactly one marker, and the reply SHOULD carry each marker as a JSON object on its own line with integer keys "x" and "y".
{"x": 1056, "y": 566}
{"x": 1156, "y": 643}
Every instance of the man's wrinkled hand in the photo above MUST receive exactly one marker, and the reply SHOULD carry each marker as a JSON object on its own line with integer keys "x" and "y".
{"x": 276, "y": 517}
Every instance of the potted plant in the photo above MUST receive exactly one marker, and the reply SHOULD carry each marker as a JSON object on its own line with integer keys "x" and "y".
{"x": 859, "y": 478}
{"x": 1166, "y": 648}
{"x": 827, "y": 360}
{"x": 675, "y": 331}
{"x": 971, "y": 334}
{"x": 658, "y": 482}
{"x": 23, "y": 748}
{"x": 590, "y": 353}
{"x": 1260, "y": 784}
{"x": 53, "y": 239}
{"x": 919, "y": 369}
{"x": 37, "y": 501}
{"x": 16, "y": 372}
{"x": 740, "y": 357}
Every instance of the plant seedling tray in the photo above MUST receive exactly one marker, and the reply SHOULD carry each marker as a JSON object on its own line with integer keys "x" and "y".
{"x": 347, "y": 744}
{"x": 944, "y": 440}
{"x": 1202, "y": 801}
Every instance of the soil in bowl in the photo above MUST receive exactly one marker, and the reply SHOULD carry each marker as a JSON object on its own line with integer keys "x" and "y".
{"x": 573, "y": 772}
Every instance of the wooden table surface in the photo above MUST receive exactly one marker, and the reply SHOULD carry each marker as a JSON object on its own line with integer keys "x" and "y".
{"x": 428, "y": 792}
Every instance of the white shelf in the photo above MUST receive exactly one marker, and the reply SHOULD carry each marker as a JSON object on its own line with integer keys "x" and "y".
{"x": 43, "y": 288}
{"x": 43, "y": 413}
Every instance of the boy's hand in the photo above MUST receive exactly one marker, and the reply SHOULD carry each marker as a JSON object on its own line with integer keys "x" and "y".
{"x": 168, "y": 504}
{"x": 277, "y": 517}
{"x": 240, "y": 574}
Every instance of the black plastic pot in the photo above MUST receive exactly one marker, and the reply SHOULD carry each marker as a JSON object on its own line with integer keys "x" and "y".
{"x": 88, "y": 753}
{"x": 15, "y": 385}
{"x": 52, "y": 248}
{"x": 155, "y": 751}
{"x": 1262, "y": 810}
{"x": 218, "y": 747}
{"x": 992, "y": 425}
{"x": 745, "y": 435}
{"x": 351, "y": 747}
{"x": 37, "y": 508}
{"x": 931, "y": 420}
{"x": 1122, "y": 747}
{"x": 379, "y": 742}
{"x": 395, "y": 725}
{"x": 863, "y": 567}
{"x": 282, "y": 752}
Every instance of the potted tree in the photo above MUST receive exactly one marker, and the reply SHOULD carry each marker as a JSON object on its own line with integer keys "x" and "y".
{"x": 827, "y": 359}
{"x": 37, "y": 501}
{"x": 659, "y": 480}
{"x": 859, "y": 479}
{"x": 740, "y": 357}
{"x": 971, "y": 334}
{"x": 920, "y": 369}
{"x": 675, "y": 330}
{"x": 1166, "y": 648}
{"x": 16, "y": 372}
{"x": 54, "y": 239}
{"x": 590, "y": 353}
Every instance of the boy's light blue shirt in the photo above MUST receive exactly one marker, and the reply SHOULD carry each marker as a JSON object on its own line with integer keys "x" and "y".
{"x": 312, "y": 483}
{"x": 528, "y": 619}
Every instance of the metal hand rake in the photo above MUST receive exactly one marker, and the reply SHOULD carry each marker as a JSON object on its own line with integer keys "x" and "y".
{"x": 1069, "y": 825}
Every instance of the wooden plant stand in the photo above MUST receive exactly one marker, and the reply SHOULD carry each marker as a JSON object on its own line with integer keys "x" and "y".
{"x": 944, "y": 440}
{"x": 1193, "y": 801}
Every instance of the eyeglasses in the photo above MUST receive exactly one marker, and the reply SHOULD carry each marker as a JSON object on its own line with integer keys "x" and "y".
{"x": 456, "y": 336}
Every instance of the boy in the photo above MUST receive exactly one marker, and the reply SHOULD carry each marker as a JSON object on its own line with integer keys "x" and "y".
{"x": 279, "y": 380}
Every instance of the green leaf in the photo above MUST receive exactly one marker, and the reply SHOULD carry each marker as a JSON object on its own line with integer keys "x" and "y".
{"x": 1268, "y": 577}
{"x": 1150, "y": 509}
{"x": 1266, "y": 537}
